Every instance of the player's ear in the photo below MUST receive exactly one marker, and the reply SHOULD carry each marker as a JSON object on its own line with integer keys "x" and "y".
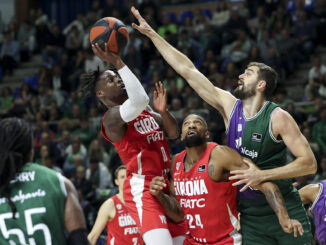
{"x": 99, "y": 93}
{"x": 116, "y": 182}
{"x": 207, "y": 134}
{"x": 261, "y": 85}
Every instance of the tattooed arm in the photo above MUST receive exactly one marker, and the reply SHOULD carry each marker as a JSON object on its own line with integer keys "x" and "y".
{"x": 276, "y": 202}
{"x": 169, "y": 201}
{"x": 223, "y": 160}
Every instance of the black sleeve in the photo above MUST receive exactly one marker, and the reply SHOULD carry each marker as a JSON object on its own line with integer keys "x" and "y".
{"x": 78, "y": 237}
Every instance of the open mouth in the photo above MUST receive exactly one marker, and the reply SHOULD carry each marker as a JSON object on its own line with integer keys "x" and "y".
{"x": 191, "y": 133}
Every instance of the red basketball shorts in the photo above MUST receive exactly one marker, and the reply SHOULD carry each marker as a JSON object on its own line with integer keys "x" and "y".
{"x": 145, "y": 209}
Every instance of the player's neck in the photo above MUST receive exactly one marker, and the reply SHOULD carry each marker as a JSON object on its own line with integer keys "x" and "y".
{"x": 252, "y": 105}
{"x": 194, "y": 154}
{"x": 120, "y": 196}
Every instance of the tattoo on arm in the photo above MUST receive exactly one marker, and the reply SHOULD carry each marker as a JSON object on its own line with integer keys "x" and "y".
{"x": 171, "y": 206}
{"x": 275, "y": 200}
{"x": 211, "y": 170}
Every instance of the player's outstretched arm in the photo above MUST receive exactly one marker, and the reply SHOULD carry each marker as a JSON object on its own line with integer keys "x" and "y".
{"x": 216, "y": 97}
{"x": 104, "y": 215}
{"x": 74, "y": 217}
{"x": 283, "y": 125}
{"x": 224, "y": 158}
{"x": 164, "y": 117}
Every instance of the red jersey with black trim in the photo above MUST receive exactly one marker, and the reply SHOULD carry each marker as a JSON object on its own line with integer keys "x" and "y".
{"x": 122, "y": 229}
{"x": 143, "y": 149}
{"x": 210, "y": 207}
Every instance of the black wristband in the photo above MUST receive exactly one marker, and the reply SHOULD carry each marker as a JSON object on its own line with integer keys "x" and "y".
{"x": 78, "y": 237}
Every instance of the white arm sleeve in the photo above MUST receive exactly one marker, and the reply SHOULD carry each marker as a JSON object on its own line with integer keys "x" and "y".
{"x": 138, "y": 99}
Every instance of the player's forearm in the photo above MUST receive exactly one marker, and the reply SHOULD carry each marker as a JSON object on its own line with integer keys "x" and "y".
{"x": 170, "y": 125}
{"x": 275, "y": 200}
{"x": 299, "y": 167}
{"x": 171, "y": 207}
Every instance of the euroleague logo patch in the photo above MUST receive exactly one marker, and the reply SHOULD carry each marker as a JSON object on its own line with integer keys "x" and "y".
{"x": 119, "y": 206}
{"x": 201, "y": 168}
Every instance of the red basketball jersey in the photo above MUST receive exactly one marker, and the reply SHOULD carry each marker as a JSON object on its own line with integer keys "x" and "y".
{"x": 144, "y": 148}
{"x": 122, "y": 229}
{"x": 210, "y": 207}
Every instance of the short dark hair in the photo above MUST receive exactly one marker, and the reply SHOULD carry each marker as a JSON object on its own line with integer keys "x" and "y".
{"x": 268, "y": 74}
{"x": 116, "y": 172}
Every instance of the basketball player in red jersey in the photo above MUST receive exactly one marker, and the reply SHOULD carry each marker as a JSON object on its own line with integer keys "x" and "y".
{"x": 121, "y": 228}
{"x": 203, "y": 192}
{"x": 138, "y": 134}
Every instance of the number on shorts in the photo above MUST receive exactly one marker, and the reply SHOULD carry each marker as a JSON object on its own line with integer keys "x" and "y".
{"x": 198, "y": 222}
{"x": 135, "y": 240}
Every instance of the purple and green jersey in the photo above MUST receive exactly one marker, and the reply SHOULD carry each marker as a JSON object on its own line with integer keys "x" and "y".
{"x": 253, "y": 138}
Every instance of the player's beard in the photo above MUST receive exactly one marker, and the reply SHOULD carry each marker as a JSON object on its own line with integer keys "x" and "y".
{"x": 193, "y": 141}
{"x": 245, "y": 92}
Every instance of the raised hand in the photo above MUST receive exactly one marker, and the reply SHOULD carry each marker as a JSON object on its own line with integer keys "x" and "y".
{"x": 143, "y": 26}
{"x": 107, "y": 56}
{"x": 159, "y": 98}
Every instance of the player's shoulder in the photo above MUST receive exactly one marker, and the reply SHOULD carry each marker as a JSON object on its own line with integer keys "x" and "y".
{"x": 219, "y": 150}
{"x": 109, "y": 204}
{"x": 280, "y": 114}
{"x": 39, "y": 169}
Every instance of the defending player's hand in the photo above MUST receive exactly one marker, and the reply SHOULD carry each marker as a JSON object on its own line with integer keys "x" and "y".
{"x": 157, "y": 184}
{"x": 159, "y": 98}
{"x": 292, "y": 225}
{"x": 107, "y": 56}
{"x": 250, "y": 177}
{"x": 143, "y": 26}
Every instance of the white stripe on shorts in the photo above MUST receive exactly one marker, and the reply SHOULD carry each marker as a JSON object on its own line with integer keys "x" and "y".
{"x": 137, "y": 183}
{"x": 112, "y": 241}
{"x": 237, "y": 238}
{"x": 139, "y": 163}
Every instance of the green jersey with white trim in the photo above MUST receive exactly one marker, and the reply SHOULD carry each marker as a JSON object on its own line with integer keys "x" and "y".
{"x": 39, "y": 195}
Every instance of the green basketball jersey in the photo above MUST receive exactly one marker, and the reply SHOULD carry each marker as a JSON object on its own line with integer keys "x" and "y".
{"x": 39, "y": 195}
{"x": 253, "y": 138}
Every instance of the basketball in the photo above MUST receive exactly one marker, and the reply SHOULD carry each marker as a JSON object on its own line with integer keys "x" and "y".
{"x": 111, "y": 31}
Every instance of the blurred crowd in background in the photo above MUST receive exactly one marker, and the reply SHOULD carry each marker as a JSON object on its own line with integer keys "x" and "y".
{"x": 220, "y": 41}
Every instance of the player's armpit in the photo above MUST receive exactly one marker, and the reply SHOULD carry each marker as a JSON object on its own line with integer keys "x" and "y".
{"x": 309, "y": 193}
{"x": 113, "y": 124}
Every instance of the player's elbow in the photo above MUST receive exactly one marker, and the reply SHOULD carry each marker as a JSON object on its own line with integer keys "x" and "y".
{"x": 188, "y": 71}
{"x": 313, "y": 165}
{"x": 92, "y": 239}
{"x": 142, "y": 101}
